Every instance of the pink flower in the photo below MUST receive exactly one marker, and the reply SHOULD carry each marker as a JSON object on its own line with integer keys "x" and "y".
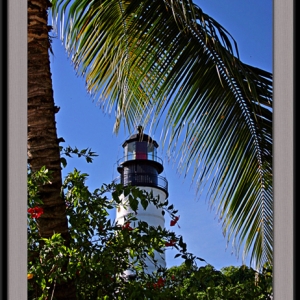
{"x": 35, "y": 212}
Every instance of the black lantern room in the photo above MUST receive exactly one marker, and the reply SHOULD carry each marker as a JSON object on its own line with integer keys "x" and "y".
{"x": 140, "y": 165}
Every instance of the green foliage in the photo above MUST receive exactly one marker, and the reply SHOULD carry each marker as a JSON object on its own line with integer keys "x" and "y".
{"x": 191, "y": 282}
{"x": 68, "y": 151}
{"x": 34, "y": 180}
{"x": 100, "y": 250}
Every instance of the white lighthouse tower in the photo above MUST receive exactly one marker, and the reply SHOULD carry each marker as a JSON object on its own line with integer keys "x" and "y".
{"x": 141, "y": 167}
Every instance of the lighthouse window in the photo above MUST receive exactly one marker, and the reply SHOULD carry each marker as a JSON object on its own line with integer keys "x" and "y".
{"x": 141, "y": 150}
{"x": 151, "y": 151}
{"x": 129, "y": 151}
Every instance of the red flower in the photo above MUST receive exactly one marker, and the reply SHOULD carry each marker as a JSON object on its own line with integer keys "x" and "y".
{"x": 173, "y": 277}
{"x": 174, "y": 221}
{"x": 35, "y": 212}
{"x": 170, "y": 243}
{"x": 127, "y": 226}
{"x": 160, "y": 283}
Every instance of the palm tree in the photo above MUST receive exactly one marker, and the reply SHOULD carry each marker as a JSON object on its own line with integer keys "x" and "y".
{"x": 43, "y": 144}
{"x": 157, "y": 60}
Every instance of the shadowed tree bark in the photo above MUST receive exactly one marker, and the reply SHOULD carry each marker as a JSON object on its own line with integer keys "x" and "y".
{"x": 43, "y": 144}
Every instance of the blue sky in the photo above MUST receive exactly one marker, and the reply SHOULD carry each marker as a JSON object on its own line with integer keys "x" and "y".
{"x": 83, "y": 124}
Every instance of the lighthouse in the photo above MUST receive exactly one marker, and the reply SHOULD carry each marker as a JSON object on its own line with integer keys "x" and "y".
{"x": 141, "y": 167}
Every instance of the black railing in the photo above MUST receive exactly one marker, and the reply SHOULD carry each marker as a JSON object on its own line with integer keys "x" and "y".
{"x": 139, "y": 157}
{"x": 143, "y": 179}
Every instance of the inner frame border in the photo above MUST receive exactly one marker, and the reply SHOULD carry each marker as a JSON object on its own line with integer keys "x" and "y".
{"x": 284, "y": 132}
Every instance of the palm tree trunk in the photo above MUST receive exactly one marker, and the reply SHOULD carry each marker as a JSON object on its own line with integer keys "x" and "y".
{"x": 43, "y": 144}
